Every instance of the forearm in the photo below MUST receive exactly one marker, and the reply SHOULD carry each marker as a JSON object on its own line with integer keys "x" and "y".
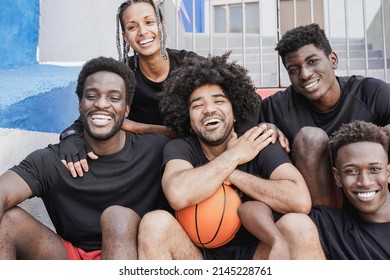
{"x": 137, "y": 127}
{"x": 281, "y": 195}
{"x": 190, "y": 186}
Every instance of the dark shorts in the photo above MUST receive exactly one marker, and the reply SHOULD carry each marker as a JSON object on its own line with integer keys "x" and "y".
{"x": 231, "y": 252}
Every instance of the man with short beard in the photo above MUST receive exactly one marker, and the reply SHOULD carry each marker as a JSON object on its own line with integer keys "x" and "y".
{"x": 95, "y": 216}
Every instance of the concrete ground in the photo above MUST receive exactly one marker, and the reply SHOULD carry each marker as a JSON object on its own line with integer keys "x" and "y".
{"x": 15, "y": 145}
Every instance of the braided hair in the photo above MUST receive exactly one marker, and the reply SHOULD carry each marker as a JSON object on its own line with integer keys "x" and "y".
{"x": 122, "y": 47}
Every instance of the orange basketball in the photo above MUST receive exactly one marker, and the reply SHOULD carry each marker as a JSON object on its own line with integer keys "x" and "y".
{"x": 213, "y": 222}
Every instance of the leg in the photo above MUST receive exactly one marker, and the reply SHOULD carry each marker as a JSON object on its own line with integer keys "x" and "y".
{"x": 302, "y": 236}
{"x": 23, "y": 237}
{"x": 119, "y": 233}
{"x": 257, "y": 218}
{"x": 161, "y": 237}
{"x": 311, "y": 155}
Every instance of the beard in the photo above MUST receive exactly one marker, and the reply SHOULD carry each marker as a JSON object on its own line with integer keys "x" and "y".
{"x": 215, "y": 138}
{"x": 99, "y": 136}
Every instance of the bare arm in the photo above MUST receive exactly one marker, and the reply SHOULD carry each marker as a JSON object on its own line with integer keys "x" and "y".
{"x": 284, "y": 192}
{"x": 13, "y": 190}
{"x": 137, "y": 127}
{"x": 185, "y": 185}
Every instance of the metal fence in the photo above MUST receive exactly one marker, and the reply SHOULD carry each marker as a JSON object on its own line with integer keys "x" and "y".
{"x": 359, "y": 31}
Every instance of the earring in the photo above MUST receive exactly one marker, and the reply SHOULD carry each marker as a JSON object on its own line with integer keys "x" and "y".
{"x": 128, "y": 50}
{"x": 191, "y": 131}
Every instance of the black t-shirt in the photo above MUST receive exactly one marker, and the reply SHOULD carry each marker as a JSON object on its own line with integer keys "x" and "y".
{"x": 346, "y": 237}
{"x": 262, "y": 165}
{"x": 366, "y": 99}
{"x": 145, "y": 105}
{"x": 130, "y": 177}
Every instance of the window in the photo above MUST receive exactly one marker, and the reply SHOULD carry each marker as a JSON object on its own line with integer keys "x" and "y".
{"x": 228, "y": 18}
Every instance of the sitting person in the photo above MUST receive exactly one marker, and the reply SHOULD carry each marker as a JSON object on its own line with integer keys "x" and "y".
{"x": 360, "y": 229}
{"x": 203, "y": 103}
{"x": 96, "y": 216}
{"x": 361, "y": 170}
{"x": 317, "y": 103}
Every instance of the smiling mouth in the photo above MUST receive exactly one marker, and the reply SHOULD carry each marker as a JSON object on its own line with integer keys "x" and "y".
{"x": 146, "y": 41}
{"x": 100, "y": 119}
{"x": 211, "y": 122}
{"x": 309, "y": 86}
{"x": 366, "y": 195}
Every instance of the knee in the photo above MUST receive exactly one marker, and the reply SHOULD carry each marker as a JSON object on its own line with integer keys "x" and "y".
{"x": 312, "y": 135}
{"x": 297, "y": 227}
{"x": 12, "y": 216}
{"x": 156, "y": 223}
{"x": 119, "y": 219}
{"x": 13, "y": 220}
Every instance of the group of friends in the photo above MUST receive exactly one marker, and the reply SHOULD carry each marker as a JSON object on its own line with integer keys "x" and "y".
{"x": 161, "y": 129}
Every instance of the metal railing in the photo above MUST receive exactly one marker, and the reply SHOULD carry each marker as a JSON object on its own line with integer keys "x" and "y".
{"x": 357, "y": 31}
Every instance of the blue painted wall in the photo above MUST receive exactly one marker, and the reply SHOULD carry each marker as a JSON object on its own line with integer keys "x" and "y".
{"x": 32, "y": 96}
{"x": 19, "y": 32}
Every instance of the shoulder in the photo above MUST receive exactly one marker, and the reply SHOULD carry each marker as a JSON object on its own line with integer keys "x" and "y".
{"x": 270, "y": 158}
{"x": 355, "y": 82}
{"x": 280, "y": 97}
{"x": 187, "y": 148}
{"x": 283, "y": 102}
{"x": 39, "y": 163}
{"x": 44, "y": 154}
{"x": 182, "y": 143}
{"x": 181, "y": 54}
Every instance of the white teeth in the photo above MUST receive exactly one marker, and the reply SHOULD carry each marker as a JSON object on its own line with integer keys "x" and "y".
{"x": 311, "y": 85}
{"x": 100, "y": 117}
{"x": 365, "y": 194}
{"x": 146, "y": 41}
{"x": 211, "y": 121}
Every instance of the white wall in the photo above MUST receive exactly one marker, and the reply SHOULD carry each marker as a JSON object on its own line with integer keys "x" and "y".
{"x": 74, "y": 31}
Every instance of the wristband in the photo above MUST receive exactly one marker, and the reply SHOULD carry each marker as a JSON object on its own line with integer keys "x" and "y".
{"x": 68, "y": 133}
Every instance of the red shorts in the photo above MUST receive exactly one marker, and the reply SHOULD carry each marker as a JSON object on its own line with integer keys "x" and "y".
{"x": 75, "y": 253}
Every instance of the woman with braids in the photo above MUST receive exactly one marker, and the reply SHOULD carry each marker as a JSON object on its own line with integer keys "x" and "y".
{"x": 141, "y": 25}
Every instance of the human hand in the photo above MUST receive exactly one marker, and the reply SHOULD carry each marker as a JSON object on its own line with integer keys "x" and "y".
{"x": 250, "y": 143}
{"x": 278, "y": 135}
{"x": 73, "y": 154}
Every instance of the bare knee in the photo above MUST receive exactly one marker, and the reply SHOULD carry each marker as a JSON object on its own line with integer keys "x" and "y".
{"x": 310, "y": 137}
{"x": 295, "y": 226}
{"x": 302, "y": 235}
{"x": 119, "y": 219}
{"x": 13, "y": 218}
{"x": 159, "y": 221}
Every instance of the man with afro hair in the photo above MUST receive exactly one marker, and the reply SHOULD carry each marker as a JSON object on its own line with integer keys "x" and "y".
{"x": 202, "y": 103}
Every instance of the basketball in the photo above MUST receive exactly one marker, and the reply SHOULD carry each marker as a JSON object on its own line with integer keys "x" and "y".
{"x": 213, "y": 222}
